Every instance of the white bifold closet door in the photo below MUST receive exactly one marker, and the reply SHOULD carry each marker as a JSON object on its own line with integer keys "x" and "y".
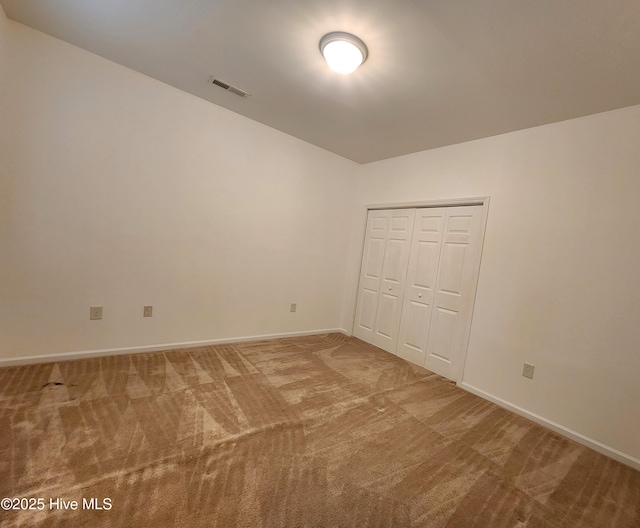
{"x": 382, "y": 277}
{"x": 439, "y": 287}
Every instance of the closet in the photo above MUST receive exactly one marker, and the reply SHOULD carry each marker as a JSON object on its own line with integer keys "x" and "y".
{"x": 417, "y": 283}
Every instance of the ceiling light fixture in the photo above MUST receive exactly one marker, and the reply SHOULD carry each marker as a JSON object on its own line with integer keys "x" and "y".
{"x": 343, "y": 52}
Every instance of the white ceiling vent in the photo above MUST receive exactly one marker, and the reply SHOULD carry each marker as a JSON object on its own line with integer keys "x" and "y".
{"x": 229, "y": 87}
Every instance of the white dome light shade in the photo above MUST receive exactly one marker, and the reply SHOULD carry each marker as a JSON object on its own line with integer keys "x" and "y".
{"x": 343, "y": 52}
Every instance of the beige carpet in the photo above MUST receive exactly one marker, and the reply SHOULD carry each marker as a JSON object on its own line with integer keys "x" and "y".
{"x": 322, "y": 431}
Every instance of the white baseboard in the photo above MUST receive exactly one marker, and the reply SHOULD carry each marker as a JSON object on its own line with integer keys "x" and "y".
{"x": 573, "y": 435}
{"x": 82, "y": 354}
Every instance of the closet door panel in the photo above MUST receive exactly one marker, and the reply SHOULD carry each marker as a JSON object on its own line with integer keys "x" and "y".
{"x": 454, "y": 291}
{"x": 394, "y": 273}
{"x": 426, "y": 262}
{"x": 415, "y": 317}
{"x": 443, "y": 324}
{"x": 386, "y": 315}
{"x": 421, "y": 281}
{"x": 371, "y": 274}
{"x": 367, "y": 316}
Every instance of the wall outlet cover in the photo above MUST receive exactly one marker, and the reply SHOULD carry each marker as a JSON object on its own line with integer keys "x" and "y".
{"x": 527, "y": 370}
{"x": 147, "y": 311}
{"x": 95, "y": 313}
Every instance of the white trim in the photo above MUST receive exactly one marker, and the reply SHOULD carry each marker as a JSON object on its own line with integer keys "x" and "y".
{"x": 483, "y": 233}
{"x": 569, "y": 433}
{"x": 445, "y": 202}
{"x": 69, "y": 356}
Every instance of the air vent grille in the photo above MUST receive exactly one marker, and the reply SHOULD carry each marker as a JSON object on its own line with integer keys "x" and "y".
{"x": 229, "y": 87}
{"x": 221, "y": 84}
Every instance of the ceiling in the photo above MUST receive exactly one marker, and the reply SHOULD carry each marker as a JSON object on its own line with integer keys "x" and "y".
{"x": 439, "y": 72}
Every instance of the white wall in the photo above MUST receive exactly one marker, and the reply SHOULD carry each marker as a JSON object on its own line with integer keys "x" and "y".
{"x": 559, "y": 283}
{"x": 118, "y": 190}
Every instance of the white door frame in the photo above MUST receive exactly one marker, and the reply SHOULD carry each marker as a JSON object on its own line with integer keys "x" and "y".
{"x": 447, "y": 202}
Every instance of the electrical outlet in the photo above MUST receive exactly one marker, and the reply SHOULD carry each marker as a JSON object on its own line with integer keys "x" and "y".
{"x": 147, "y": 311}
{"x": 527, "y": 370}
{"x": 294, "y": 307}
{"x": 95, "y": 313}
